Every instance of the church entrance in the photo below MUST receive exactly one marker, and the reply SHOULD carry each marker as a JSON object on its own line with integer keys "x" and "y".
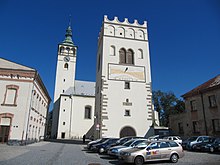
{"x": 127, "y": 131}
{"x": 4, "y": 133}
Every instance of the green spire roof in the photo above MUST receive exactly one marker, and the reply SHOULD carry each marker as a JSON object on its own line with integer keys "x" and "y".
{"x": 68, "y": 36}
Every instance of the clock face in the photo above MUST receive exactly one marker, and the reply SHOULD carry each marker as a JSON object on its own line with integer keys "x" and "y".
{"x": 126, "y": 73}
{"x": 66, "y": 58}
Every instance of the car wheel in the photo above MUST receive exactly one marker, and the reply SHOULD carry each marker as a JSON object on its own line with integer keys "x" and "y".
{"x": 174, "y": 158}
{"x": 193, "y": 148}
{"x": 139, "y": 160}
{"x": 211, "y": 149}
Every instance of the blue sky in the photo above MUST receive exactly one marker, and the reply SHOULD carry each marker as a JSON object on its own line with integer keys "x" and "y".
{"x": 184, "y": 36}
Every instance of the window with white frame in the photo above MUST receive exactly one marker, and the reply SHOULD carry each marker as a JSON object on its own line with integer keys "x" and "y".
{"x": 11, "y": 95}
{"x": 88, "y": 113}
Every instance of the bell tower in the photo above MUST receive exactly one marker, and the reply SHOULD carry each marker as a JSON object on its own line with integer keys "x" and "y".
{"x": 123, "y": 80}
{"x": 66, "y": 65}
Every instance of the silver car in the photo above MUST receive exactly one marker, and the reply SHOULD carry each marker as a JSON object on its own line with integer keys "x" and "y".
{"x": 174, "y": 138}
{"x": 153, "y": 151}
{"x": 114, "y": 151}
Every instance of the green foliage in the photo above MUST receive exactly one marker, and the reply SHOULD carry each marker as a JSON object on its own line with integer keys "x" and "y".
{"x": 166, "y": 103}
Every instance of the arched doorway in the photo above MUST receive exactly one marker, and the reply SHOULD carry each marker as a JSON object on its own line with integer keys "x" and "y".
{"x": 5, "y": 125}
{"x": 127, "y": 131}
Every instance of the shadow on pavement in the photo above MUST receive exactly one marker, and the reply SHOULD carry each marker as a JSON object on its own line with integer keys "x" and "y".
{"x": 77, "y": 141}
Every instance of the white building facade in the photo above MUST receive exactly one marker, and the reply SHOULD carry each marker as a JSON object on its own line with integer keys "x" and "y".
{"x": 24, "y": 103}
{"x": 74, "y": 100}
{"x": 123, "y": 105}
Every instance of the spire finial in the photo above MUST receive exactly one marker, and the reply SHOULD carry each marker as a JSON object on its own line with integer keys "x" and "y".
{"x": 68, "y": 35}
{"x": 70, "y": 20}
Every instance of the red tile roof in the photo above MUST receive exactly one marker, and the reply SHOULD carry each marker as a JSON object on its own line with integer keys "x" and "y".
{"x": 209, "y": 85}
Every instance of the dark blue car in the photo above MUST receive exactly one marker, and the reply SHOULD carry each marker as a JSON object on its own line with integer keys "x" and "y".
{"x": 98, "y": 141}
{"x": 101, "y": 147}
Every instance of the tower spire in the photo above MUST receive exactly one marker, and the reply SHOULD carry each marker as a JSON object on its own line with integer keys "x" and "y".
{"x": 68, "y": 36}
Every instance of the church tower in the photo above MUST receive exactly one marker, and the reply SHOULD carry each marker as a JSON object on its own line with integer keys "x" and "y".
{"x": 65, "y": 76}
{"x": 66, "y": 65}
{"x": 123, "y": 105}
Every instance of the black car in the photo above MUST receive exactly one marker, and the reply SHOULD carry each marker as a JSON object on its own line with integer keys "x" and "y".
{"x": 201, "y": 146}
{"x": 101, "y": 147}
{"x": 190, "y": 142}
{"x": 90, "y": 144}
{"x": 212, "y": 147}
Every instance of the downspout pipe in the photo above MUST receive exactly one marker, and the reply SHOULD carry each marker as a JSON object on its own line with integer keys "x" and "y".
{"x": 204, "y": 115}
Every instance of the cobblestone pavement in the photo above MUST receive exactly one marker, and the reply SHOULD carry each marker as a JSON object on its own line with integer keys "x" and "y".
{"x": 51, "y": 153}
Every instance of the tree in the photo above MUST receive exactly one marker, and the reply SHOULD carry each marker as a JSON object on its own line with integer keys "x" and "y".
{"x": 166, "y": 103}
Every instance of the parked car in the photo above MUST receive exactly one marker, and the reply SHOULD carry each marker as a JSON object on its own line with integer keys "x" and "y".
{"x": 101, "y": 147}
{"x": 153, "y": 151}
{"x": 125, "y": 139}
{"x": 155, "y": 137}
{"x": 201, "y": 146}
{"x": 114, "y": 151}
{"x": 188, "y": 144}
{"x": 90, "y": 144}
{"x": 174, "y": 138}
{"x": 212, "y": 146}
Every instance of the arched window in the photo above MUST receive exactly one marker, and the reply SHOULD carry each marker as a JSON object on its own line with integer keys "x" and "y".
{"x": 74, "y": 51}
{"x": 130, "y": 33}
{"x": 130, "y": 57}
{"x": 140, "y": 34}
{"x": 66, "y": 66}
{"x": 140, "y": 54}
{"x": 122, "y": 56}
{"x": 111, "y": 30}
{"x": 68, "y": 49}
{"x": 112, "y": 50}
{"x": 88, "y": 113}
{"x": 120, "y": 32}
{"x": 61, "y": 49}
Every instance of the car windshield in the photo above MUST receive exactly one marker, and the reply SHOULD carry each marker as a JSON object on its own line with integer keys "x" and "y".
{"x": 121, "y": 141}
{"x": 104, "y": 140}
{"x": 143, "y": 144}
{"x": 128, "y": 143}
{"x": 192, "y": 138}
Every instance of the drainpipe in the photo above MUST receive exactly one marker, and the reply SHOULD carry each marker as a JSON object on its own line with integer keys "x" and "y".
{"x": 204, "y": 115}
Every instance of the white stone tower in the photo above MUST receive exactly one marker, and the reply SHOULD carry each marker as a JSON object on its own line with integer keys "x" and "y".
{"x": 123, "y": 81}
{"x": 66, "y": 65}
{"x": 65, "y": 76}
